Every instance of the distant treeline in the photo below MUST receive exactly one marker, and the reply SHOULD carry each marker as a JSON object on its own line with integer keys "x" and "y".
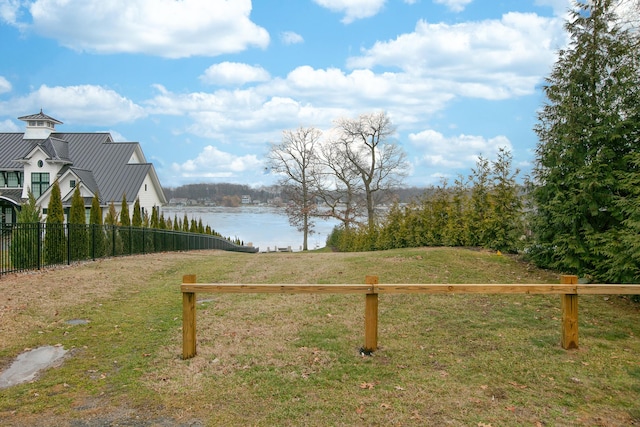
{"x": 230, "y": 194}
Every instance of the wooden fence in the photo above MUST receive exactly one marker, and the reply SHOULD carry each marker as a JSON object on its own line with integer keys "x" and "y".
{"x": 568, "y": 289}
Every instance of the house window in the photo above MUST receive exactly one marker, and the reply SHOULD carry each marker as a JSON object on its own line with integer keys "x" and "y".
{"x": 40, "y": 163}
{"x": 13, "y": 180}
{"x": 8, "y": 215}
{"x": 39, "y": 183}
{"x": 145, "y": 187}
{"x": 72, "y": 183}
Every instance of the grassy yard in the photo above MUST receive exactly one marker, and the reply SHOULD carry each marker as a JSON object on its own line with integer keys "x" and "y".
{"x": 265, "y": 360}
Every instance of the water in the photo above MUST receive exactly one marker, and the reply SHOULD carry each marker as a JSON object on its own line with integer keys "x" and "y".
{"x": 27, "y": 365}
{"x": 262, "y": 226}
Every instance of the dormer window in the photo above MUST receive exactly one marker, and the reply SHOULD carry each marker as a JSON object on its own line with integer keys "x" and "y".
{"x": 40, "y": 163}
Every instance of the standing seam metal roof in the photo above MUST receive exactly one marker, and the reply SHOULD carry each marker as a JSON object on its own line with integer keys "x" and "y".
{"x": 94, "y": 153}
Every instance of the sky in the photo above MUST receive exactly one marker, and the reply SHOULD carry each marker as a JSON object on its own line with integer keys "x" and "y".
{"x": 206, "y": 86}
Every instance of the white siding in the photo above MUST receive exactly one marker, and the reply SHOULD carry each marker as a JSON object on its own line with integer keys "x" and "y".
{"x": 32, "y": 166}
{"x": 148, "y": 195}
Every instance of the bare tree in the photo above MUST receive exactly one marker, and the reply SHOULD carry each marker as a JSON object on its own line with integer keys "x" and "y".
{"x": 338, "y": 185}
{"x": 294, "y": 159}
{"x": 379, "y": 164}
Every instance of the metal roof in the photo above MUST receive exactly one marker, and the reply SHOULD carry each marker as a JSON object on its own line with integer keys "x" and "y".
{"x": 92, "y": 156}
{"x": 13, "y": 194}
{"x": 40, "y": 116}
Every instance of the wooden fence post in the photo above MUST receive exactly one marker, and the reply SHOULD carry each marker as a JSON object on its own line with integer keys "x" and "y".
{"x": 569, "y": 315}
{"x": 371, "y": 316}
{"x": 188, "y": 319}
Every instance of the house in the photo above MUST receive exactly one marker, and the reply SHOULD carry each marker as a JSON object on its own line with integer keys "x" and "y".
{"x": 41, "y": 155}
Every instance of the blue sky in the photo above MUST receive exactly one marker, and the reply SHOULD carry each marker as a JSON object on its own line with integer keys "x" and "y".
{"x": 206, "y": 85}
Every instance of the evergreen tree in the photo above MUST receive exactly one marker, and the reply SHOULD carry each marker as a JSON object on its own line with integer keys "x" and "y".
{"x": 97, "y": 231}
{"x": 112, "y": 215}
{"x": 77, "y": 224}
{"x": 154, "y": 218}
{"x": 136, "y": 231}
{"x": 456, "y": 232}
{"x": 55, "y": 242}
{"x": 113, "y": 242}
{"x": 185, "y": 223}
{"x": 26, "y": 235}
{"x": 505, "y": 223}
{"x": 588, "y": 133}
{"x": 136, "y": 220}
{"x": 480, "y": 203}
{"x": 125, "y": 226}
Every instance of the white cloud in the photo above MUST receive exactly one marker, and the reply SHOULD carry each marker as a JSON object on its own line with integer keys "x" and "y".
{"x": 289, "y": 37}
{"x": 167, "y": 28}
{"x": 454, "y": 152}
{"x": 77, "y": 104}
{"x": 9, "y": 11}
{"x": 234, "y": 73}
{"x": 5, "y": 86}
{"x": 214, "y": 163}
{"x": 10, "y": 126}
{"x": 492, "y": 59}
{"x": 117, "y": 136}
{"x": 353, "y": 9}
{"x": 454, "y": 5}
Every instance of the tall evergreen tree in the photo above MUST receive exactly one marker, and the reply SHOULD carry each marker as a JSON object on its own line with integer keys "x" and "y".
{"x": 505, "y": 224}
{"x": 55, "y": 242}
{"x": 125, "y": 224}
{"x": 136, "y": 233}
{"x": 136, "y": 220}
{"x": 26, "y": 235}
{"x": 154, "y": 218}
{"x": 96, "y": 229}
{"x": 588, "y": 132}
{"x": 113, "y": 243}
{"x": 185, "y": 223}
{"x": 78, "y": 235}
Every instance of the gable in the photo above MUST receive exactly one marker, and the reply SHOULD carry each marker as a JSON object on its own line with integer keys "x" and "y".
{"x": 109, "y": 168}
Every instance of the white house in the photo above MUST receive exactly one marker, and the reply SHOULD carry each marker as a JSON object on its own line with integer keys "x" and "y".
{"x": 41, "y": 155}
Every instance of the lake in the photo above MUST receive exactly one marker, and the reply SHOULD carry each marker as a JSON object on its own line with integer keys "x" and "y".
{"x": 262, "y": 226}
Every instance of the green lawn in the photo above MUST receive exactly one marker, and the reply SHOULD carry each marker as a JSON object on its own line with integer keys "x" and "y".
{"x": 462, "y": 360}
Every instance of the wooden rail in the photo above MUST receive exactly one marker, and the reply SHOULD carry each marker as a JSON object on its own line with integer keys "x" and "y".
{"x": 568, "y": 289}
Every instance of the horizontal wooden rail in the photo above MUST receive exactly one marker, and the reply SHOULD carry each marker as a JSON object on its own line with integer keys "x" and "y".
{"x": 234, "y": 288}
{"x": 569, "y": 289}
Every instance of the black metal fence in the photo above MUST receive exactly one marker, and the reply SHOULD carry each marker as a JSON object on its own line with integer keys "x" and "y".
{"x": 35, "y": 245}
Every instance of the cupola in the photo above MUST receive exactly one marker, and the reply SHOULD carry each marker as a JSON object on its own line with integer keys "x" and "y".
{"x": 39, "y": 126}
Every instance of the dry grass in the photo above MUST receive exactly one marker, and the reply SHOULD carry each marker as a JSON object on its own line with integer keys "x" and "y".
{"x": 293, "y": 359}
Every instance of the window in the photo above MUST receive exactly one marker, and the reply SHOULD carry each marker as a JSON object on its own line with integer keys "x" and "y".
{"x": 8, "y": 215}
{"x": 13, "y": 180}
{"x": 145, "y": 187}
{"x": 40, "y": 163}
{"x": 72, "y": 183}
{"x": 39, "y": 183}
